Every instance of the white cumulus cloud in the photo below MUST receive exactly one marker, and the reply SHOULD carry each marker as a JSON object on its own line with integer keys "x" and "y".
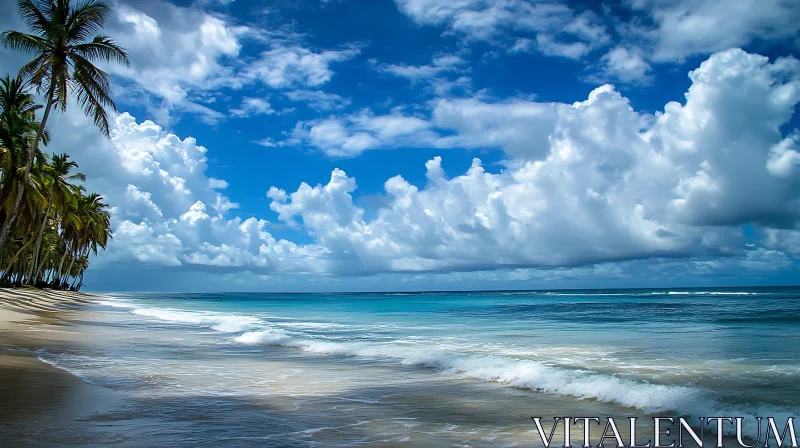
{"x": 588, "y": 182}
{"x": 285, "y": 67}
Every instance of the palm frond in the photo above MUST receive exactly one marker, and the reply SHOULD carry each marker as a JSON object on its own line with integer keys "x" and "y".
{"x": 60, "y": 82}
{"x": 87, "y": 18}
{"x": 19, "y": 41}
{"x": 31, "y": 13}
{"x": 37, "y": 71}
{"x": 92, "y": 92}
{"x": 104, "y": 49}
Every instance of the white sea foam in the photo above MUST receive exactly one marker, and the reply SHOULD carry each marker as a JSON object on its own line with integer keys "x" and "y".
{"x": 635, "y": 294}
{"x": 231, "y": 322}
{"x": 464, "y": 362}
{"x": 533, "y": 375}
{"x": 710, "y": 293}
{"x": 269, "y": 337}
{"x": 116, "y": 303}
{"x": 223, "y": 322}
{"x": 525, "y": 374}
{"x": 318, "y": 326}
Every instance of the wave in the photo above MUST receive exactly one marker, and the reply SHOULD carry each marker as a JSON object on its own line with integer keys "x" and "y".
{"x": 116, "y": 303}
{"x": 710, "y": 293}
{"x": 226, "y": 323}
{"x": 526, "y": 374}
{"x": 508, "y": 370}
{"x": 716, "y": 293}
{"x": 531, "y": 375}
{"x": 632, "y": 293}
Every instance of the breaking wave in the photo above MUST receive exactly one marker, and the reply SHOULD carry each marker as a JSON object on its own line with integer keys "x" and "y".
{"x": 487, "y": 363}
{"x": 526, "y": 374}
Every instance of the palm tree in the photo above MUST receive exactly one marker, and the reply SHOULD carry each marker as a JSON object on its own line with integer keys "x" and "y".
{"x": 61, "y": 191}
{"x": 88, "y": 229}
{"x": 18, "y": 130}
{"x": 64, "y": 53}
{"x": 30, "y": 210}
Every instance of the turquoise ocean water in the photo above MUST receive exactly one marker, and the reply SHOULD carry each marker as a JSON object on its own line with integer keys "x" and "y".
{"x": 450, "y": 368}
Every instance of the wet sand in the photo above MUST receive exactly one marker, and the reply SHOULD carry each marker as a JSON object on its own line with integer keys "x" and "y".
{"x": 41, "y": 405}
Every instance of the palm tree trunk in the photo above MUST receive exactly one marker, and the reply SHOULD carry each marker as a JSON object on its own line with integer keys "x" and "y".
{"x": 78, "y": 279}
{"x": 41, "y": 272}
{"x": 23, "y": 267}
{"x": 35, "y": 262}
{"x": 63, "y": 257}
{"x": 69, "y": 270}
{"x": 11, "y": 263}
{"x": 31, "y": 153}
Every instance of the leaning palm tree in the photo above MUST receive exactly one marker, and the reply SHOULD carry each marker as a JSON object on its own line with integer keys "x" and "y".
{"x": 30, "y": 211}
{"x": 64, "y": 53}
{"x": 58, "y": 188}
{"x": 18, "y": 130}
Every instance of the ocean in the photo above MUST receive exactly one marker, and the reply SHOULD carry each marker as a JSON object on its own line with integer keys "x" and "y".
{"x": 433, "y": 369}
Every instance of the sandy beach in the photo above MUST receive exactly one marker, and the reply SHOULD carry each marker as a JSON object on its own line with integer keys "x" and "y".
{"x": 41, "y": 404}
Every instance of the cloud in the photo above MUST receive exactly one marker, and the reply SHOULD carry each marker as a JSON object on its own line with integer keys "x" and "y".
{"x": 286, "y": 67}
{"x": 350, "y": 135}
{"x": 647, "y": 31}
{"x": 175, "y": 52}
{"x": 253, "y": 106}
{"x": 183, "y": 57}
{"x": 167, "y": 211}
{"x": 582, "y": 188}
{"x": 445, "y": 73}
{"x": 785, "y": 240}
{"x": 624, "y": 65}
{"x": 683, "y": 28}
{"x": 526, "y": 217}
{"x": 217, "y": 184}
{"x": 558, "y": 29}
{"x": 179, "y": 54}
{"x": 550, "y": 47}
{"x": 317, "y": 99}
{"x": 140, "y": 204}
{"x": 585, "y": 183}
{"x": 440, "y": 64}
{"x": 784, "y": 159}
{"x": 736, "y": 105}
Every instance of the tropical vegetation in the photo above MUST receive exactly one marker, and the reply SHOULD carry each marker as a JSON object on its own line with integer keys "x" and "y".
{"x": 49, "y": 224}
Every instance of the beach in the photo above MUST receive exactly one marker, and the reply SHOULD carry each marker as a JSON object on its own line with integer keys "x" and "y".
{"x": 46, "y": 405}
{"x": 432, "y": 369}
{"x": 41, "y": 404}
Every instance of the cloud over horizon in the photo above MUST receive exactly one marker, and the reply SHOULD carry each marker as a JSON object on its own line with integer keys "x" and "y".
{"x": 703, "y": 184}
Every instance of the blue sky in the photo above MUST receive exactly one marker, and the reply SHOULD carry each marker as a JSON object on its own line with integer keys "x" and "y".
{"x": 308, "y": 145}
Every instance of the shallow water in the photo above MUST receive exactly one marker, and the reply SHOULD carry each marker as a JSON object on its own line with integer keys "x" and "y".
{"x": 434, "y": 368}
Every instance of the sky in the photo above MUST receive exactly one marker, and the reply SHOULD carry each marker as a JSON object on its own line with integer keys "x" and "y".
{"x": 395, "y": 145}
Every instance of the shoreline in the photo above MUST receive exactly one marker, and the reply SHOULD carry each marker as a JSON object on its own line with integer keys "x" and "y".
{"x": 41, "y": 404}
